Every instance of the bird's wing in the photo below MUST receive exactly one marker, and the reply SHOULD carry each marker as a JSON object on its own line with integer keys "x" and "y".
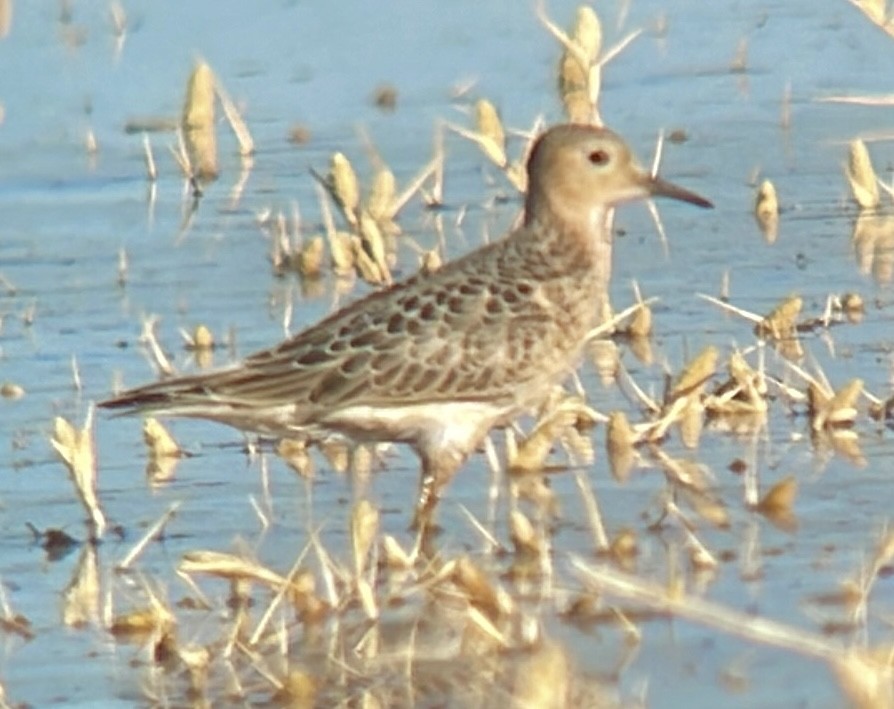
{"x": 456, "y": 334}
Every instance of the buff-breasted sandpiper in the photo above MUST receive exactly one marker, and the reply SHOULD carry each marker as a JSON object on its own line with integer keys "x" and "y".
{"x": 438, "y": 360}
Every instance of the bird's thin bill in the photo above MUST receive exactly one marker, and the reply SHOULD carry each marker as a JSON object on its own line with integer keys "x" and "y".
{"x": 660, "y": 187}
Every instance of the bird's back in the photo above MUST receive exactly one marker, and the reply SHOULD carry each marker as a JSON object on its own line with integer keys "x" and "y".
{"x": 490, "y": 327}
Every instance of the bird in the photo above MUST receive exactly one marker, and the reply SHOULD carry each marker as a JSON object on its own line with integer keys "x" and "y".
{"x": 438, "y": 360}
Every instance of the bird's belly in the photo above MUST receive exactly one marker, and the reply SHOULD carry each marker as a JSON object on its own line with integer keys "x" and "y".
{"x": 440, "y": 425}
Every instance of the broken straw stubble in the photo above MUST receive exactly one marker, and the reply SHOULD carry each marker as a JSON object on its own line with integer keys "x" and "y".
{"x": 197, "y": 123}
{"x": 77, "y": 450}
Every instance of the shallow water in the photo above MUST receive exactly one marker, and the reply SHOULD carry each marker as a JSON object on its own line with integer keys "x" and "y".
{"x": 64, "y": 216}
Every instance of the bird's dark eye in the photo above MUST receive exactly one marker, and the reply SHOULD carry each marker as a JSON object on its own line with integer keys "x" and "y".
{"x": 598, "y": 157}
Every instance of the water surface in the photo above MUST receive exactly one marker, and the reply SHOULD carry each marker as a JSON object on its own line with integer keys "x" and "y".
{"x": 66, "y": 214}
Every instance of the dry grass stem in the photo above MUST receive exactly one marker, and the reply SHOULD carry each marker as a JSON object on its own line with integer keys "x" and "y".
{"x": 158, "y": 440}
{"x": 691, "y": 381}
{"x": 640, "y": 325}
{"x": 201, "y": 338}
{"x": 142, "y": 623}
{"x": 197, "y": 123}
{"x": 364, "y": 529}
{"x": 865, "y": 678}
{"x": 594, "y": 517}
{"x": 488, "y": 598}
{"x": 292, "y": 582}
{"x": 620, "y": 440}
{"x": 90, "y": 143}
{"x": 76, "y": 374}
{"x": 296, "y": 455}
{"x": 8, "y": 286}
{"x": 230, "y": 567}
{"x": 373, "y": 248}
{"x": 11, "y": 622}
{"x": 381, "y": 197}
{"x": 777, "y": 503}
{"x": 430, "y": 261}
{"x": 77, "y": 450}
{"x": 532, "y": 452}
{"x": 781, "y": 322}
{"x": 579, "y": 73}
{"x": 580, "y": 68}
{"x": 157, "y": 356}
{"x": 433, "y": 170}
{"x": 766, "y": 210}
{"x": 311, "y": 257}
{"x": 837, "y": 409}
{"x": 745, "y": 392}
{"x": 150, "y": 535}
{"x": 490, "y": 540}
{"x": 861, "y": 176}
{"x": 118, "y": 19}
{"x": 342, "y": 185}
{"x": 236, "y": 191}
{"x": 180, "y": 155}
{"x": 81, "y": 598}
{"x": 746, "y": 314}
{"x": 434, "y": 197}
{"x": 877, "y": 13}
{"x": 609, "y": 326}
{"x": 122, "y": 266}
{"x": 491, "y": 137}
{"x": 6, "y": 15}
{"x": 739, "y": 63}
{"x": 151, "y": 170}
{"x": 240, "y": 572}
{"x": 699, "y": 555}
{"x": 524, "y": 537}
{"x": 240, "y": 129}
{"x": 393, "y": 554}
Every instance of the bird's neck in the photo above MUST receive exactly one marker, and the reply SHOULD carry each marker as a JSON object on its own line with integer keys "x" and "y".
{"x": 572, "y": 234}
{"x": 577, "y": 249}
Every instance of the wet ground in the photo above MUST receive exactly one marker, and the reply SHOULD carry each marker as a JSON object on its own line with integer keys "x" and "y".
{"x": 66, "y": 214}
